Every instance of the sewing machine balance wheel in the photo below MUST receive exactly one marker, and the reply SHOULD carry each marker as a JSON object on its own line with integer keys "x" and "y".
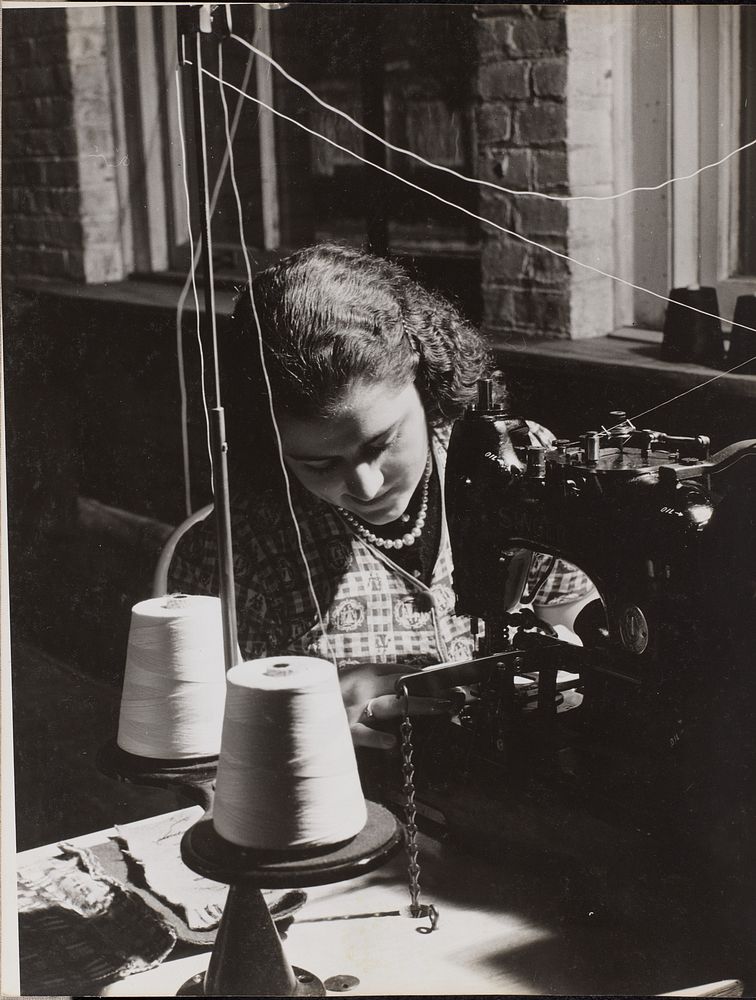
{"x": 248, "y": 957}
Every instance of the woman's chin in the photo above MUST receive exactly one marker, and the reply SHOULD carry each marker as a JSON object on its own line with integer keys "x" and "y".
{"x": 381, "y": 514}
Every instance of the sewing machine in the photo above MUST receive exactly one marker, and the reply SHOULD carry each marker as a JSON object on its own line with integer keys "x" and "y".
{"x": 639, "y": 728}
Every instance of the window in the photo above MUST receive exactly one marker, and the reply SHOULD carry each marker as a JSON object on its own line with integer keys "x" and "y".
{"x": 747, "y": 206}
{"x": 691, "y": 88}
{"x": 404, "y": 71}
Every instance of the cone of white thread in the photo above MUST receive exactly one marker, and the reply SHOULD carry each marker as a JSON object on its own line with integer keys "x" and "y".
{"x": 174, "y": 684}
{"x": 287, "y": 774}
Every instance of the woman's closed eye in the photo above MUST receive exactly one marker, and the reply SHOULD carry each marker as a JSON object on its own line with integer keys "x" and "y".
{"x": 322, "y": 467}
{"x": 376, "y": 450}
{"x": 370, "y": 452}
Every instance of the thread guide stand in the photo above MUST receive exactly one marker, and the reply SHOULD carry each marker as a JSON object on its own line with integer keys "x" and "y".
{"x": 248, "y": 957}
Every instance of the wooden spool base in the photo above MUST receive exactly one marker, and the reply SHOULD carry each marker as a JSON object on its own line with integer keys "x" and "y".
{"x": 193, "y": 777}
{"x": 248, "y": 958}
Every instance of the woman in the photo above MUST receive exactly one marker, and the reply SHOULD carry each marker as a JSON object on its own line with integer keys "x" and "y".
{"x": 367, "y": 370}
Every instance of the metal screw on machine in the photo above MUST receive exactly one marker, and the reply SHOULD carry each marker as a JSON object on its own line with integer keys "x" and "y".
{"x": 591, "y": 447}
{"x": 618, "y": 423}
{"x": 485, "y": 394}
{"x": 341, "y": 984}
{"x": 536, "y": 462}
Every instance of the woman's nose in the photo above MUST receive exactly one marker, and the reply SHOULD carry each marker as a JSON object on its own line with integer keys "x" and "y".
{"x": 364, "y": 481}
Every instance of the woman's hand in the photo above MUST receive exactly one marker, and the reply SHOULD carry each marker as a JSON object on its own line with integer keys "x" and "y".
{"x": 369, "y": 698}
{"x": 541, "y": 435}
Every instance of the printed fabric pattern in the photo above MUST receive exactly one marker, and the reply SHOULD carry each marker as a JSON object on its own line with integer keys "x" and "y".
{"x": 372, "y": 610}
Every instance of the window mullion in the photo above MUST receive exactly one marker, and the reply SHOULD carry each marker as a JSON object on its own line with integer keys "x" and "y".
{"x": 151, "y": 130}
{"x": 177, "y": 230}
{"x": 266, "y": 126}
{"x": 685, "y": 144}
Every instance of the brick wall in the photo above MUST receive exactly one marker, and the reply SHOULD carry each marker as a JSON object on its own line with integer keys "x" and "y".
{"x": 40, "y": 176}
{"x": 60, "y": 200}
{"x": 543, "y": 117}
{"x": 545, "y": 120}
{"x": 522, "y": 144}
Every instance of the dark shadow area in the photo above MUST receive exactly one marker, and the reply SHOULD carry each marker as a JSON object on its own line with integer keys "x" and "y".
{"x": 61, "y": 718}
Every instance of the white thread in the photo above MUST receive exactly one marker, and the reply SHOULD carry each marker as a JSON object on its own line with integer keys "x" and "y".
{"x": 174, "y": 684}
{"x": 476, "y": 180}
{"x": 191, "y": 282}
{"x": 287, "y": 775}
{"x": 210, "y": 305}
{"x": 269, "y": 390}
{"x": 191, "y": 279}
{"x": 479, "y": 218}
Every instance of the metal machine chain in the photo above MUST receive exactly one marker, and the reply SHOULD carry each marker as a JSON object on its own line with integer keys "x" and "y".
{"x": 416, "y": 909}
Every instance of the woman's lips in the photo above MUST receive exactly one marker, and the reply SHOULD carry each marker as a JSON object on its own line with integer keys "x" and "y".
{"x": 375, "y": 502}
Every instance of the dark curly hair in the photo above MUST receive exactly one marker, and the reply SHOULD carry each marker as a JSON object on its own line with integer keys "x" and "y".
{"x": 331, "y": 315}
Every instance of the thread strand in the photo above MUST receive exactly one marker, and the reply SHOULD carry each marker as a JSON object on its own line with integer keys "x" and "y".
{"x": 476, "y": 180}
{"x": 268, "y": 387}
{"x": 191, "y": 280}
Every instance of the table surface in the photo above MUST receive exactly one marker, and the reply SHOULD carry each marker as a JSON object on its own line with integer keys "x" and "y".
{"x": 506, "y": 927}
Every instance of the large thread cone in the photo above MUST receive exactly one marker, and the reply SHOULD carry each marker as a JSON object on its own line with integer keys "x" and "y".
{"x": 174, "y": 683}
{"x": 287, "y": 774}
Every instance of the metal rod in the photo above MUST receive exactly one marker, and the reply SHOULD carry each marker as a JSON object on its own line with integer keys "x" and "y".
{"x": 219, "y": 446}
{"x": 225, "y": 546}
{"x": 200, "y": 149}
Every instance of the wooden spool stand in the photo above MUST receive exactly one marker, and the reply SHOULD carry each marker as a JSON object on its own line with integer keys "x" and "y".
{"x": 248, "y": 958}
{"x": 193, "y": 777}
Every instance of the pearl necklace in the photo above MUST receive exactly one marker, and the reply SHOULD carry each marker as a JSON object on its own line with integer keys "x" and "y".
{"x": 410, "y": 536}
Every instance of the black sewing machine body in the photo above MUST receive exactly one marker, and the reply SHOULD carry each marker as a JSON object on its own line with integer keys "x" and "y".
{"x": 654, "y": 732}
{"x": 669, "y": 562}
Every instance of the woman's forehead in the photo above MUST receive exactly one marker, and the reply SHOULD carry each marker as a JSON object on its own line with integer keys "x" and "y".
{"x": 365, "y": 412}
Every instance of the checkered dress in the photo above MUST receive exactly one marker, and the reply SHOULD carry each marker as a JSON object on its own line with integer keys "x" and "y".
{"x": 372, "y": 610}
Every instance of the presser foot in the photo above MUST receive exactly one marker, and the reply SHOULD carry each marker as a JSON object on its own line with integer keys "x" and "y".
{"x": 307, "y": 985}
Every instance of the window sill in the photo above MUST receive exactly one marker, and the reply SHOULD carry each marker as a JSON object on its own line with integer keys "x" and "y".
{"x": 621, "y": 357}
{"x": 134, "y": 292}
{"x": 162, "y": 289}
{"x": 628, "y": 354}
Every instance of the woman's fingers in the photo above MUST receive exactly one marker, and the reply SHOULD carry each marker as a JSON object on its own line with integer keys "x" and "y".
{"x": 388, "y": 706}
{"x": 357, "y": 685}
{"x": 369, "y": 697}
{"x": 544, "y": 437}
{"x": 363, "y": 736}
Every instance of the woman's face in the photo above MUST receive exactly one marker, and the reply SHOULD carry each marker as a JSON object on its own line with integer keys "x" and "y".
{"x": 368, "y": 457}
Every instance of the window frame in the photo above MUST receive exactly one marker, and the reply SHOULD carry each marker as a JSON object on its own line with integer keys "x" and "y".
{"x": 698, "y": 78}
